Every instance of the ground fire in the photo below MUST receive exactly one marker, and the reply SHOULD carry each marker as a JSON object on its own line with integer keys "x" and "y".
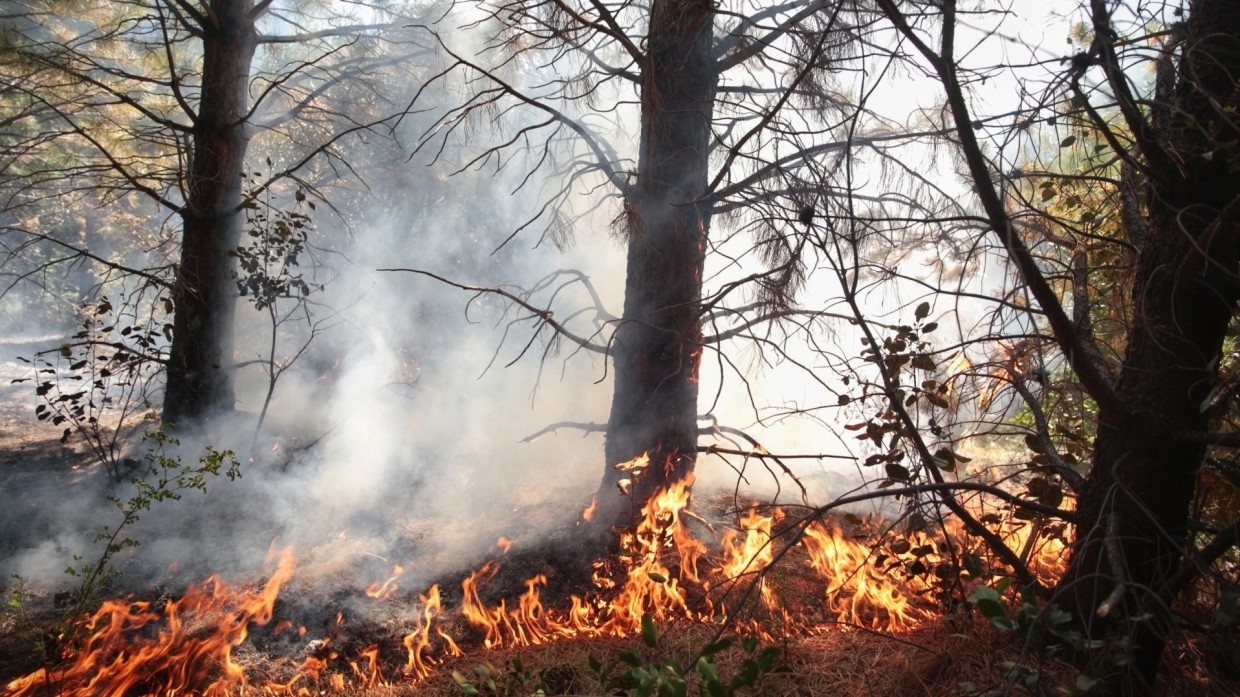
{"x": 851, "y": 573}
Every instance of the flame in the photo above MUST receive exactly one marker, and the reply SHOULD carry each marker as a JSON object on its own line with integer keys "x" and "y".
{"x": 133, "y": 648}
{"x": 504, "y": 543}
{"x": 859, "y": 593}
{"x": 635, "y": 465}
{"x": 370, "y": 675}
{"x": 418, "y": 642}
{"x": 662, "y": 570}
{"x": 754, "y": 553}
{"x": 649, "y": 586}
{"x": 382, "y": 591}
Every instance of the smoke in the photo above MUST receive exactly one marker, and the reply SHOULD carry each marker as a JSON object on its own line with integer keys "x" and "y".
{"x": 398, "y": 434}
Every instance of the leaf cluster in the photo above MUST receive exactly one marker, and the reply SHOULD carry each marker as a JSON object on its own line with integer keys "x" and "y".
{"x": 654, "y": 675}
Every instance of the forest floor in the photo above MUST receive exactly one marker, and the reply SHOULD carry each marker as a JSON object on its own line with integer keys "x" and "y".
{"x": 940, "y": 656}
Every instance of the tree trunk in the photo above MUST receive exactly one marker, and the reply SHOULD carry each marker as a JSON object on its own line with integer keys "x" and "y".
{"x": 1135, "y": 504}
{"x": 201, "y": 364}
{"x": 658, "y": 345}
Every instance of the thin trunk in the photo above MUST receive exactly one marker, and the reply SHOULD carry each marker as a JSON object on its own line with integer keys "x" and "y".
{"x": 657, "y": 348}
{"x": 1134, "y": 508}
{"x": 200, "y": 367}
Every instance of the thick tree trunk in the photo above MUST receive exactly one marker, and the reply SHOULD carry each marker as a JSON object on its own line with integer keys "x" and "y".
{"x": 1134, "y": 508}
{"x": 658, "y": 346}
{"x": 201, "y": 364}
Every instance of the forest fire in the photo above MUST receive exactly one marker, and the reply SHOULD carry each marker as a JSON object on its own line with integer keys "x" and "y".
{"x": 136, "y": 648}
{"x": 663, "y": 571}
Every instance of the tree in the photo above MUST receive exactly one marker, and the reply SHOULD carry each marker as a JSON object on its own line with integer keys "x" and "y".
{"x": 166, "y": 98}
{"x": 723, "y": 97}
{"x": 1132, "y": 543}
{"x": 1124, "y": 306}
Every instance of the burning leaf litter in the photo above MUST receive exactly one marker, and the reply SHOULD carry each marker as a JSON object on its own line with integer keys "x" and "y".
{"x": 188, "y": 646}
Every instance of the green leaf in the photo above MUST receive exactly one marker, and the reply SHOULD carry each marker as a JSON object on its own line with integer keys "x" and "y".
{"x": 929, "y": 327}
{"x": 990, "y": 608}
{"x": 1067, "y": 142}
{"x": 650, "y": 634}
{"x": 1002, "y": 623}
{"x": 922, "y": 311}
{"x": 1084, "y": 683}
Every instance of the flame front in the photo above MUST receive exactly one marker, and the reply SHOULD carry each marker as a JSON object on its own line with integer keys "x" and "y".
{"x": 663, "y": 570}
{"x": 131, "y": 648}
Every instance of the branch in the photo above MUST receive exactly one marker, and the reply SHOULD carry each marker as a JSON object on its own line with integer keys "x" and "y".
{"x": 1081, "y": 352}
{"x": 1043, "y": 430}
{"x": 161, "y": 282}
{"x": 759, "y": 452}
{"x": 602, "y": 152}
{"x": 1200, "y": 562}
{"x": 350, "y": 30}
{"x": 947, "y": 488}
{"x": 776, "y": 315}
{"x": 614, "y": 30}
{"x": 1159, "y": 161}
{"x": 735, "y": 151}
{"x": 542, "y": 314}
{"x": 1110, "y": 543}
{"x": 586, "y": 426}
{"x": 110, "y": 344}
{"x": 810, "y": 153}
{"x": 762, "y": 43}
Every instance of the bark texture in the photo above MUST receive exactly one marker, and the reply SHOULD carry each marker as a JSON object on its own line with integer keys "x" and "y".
{"x": 658, "y": 345}
{"x": 1135, "y": 504}
{"x": 201, "y": 364}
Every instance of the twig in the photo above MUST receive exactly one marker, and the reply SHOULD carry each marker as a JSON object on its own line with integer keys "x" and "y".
{"x": 586, "y": 426}
{"x": 1116, "y": 558}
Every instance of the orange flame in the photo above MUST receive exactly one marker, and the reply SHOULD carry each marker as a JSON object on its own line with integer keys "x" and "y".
{"x": 382, "y": 591}
{"x": 191, "y": 647}
{"x": 369, "y": 675}
{"x": 860, "y": 593}
{"x": 754, "y": 553}
{"x": 866, "y": 583}
{"x": 418, "y": 642}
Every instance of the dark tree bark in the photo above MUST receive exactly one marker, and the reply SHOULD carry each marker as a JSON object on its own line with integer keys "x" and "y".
{"x": 201, "y": 363}
{"x": 1135, "y": 503}
{"x": 658, "y": 345}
